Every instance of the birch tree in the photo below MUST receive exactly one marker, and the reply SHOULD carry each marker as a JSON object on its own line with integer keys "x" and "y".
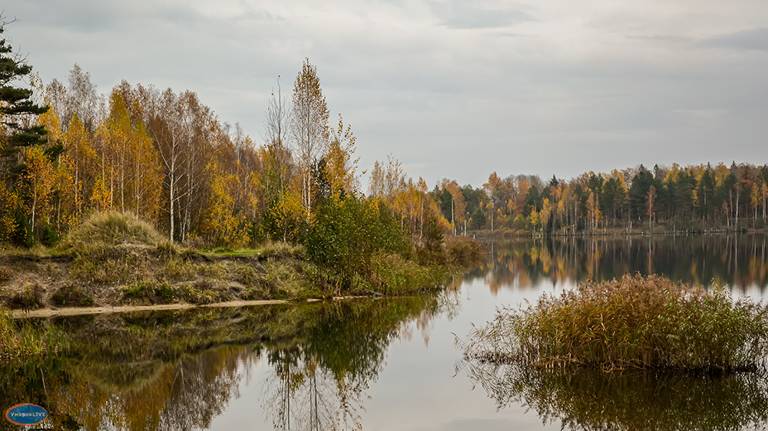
{"x": 309, "y": 129}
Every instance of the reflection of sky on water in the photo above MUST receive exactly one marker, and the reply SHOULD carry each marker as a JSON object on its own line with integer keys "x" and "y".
{"x": 380, "y": 364}
{"x": 419, "y": 388}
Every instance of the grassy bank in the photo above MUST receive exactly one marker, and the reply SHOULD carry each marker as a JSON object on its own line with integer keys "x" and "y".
{"x": 630, "y": 323}
{"x": 115, "y": 259}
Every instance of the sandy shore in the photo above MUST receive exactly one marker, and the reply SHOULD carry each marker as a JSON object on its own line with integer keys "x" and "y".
{"x": 80, "y": 311}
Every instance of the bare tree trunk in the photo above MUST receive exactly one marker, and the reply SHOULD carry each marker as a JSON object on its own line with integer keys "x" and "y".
{"x": 171, "y": 198}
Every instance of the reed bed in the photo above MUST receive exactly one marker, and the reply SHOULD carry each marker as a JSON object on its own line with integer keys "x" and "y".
{"x": 633, "y": 322}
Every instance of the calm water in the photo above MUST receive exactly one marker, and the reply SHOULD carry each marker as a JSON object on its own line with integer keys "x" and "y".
{"x": 391, "y": 364}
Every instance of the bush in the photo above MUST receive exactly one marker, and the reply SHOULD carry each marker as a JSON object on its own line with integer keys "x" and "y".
{"x": 631, "y": 323}
{"x": 71, "y": 296}
{"x": 346, "y": 233}
{"x": 29, "y": 298}
{"x": 104, "y": 264}
{"x": 162, "y": 292}
{"x": 394, "y": 275}
{"x": 150, "y": 291}
{"x": 113, "y": 228}
{"x": 49, "y": 236}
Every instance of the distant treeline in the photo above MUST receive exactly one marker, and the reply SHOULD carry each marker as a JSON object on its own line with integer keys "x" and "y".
{"x": 695, "y": 197}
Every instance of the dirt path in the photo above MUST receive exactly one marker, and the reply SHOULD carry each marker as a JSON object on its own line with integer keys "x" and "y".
{"x": 79, "y": 311}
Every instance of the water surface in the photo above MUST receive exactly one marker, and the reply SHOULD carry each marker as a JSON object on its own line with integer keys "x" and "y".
{"x": 391, "y": 363}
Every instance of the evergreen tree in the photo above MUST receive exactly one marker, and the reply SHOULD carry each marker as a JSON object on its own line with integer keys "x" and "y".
{"x": 638, "y": 192}
{"x": 17, "y": 108}
{"x": 20, "y": 135}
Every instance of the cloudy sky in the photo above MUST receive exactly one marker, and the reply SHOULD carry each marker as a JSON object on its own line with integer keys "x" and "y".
{"x": 452, "y": 88}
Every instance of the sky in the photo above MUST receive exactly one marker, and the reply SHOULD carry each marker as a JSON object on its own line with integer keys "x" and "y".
{"x": 451, "y": 88}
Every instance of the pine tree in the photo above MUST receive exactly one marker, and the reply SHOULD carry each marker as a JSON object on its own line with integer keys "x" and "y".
{"x": 17, "y": 106}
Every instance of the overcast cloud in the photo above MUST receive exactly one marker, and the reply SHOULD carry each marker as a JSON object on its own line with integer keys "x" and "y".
{"x": 452, "y": 88}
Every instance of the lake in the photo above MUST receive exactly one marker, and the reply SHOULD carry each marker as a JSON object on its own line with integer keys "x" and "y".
{"x": 392, "y": 363}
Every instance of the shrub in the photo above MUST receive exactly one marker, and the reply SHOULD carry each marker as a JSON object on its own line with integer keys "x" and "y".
{"x": 150, "y": 291}
{"x": 103, "y": 264}
{"x": 30, "y": 297}
{"x": 393, "y": 275}
{"x": 71, "y": 296}
{"x": 346, "y": 233}
{"x": 112, "y": 228}
{"x": 631, "y": 323}
{"x": 49, "y": 236}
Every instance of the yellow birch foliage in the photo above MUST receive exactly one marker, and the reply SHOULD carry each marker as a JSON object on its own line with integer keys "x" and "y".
{"x": 38, "y": 183}
{"x": 222, "y": 225}
{"x": 80, "y": 159}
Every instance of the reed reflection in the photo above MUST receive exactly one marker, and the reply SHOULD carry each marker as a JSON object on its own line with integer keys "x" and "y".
{"x": 593, "y": 400}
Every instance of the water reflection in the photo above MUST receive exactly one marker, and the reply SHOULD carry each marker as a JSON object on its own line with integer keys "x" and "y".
{"x": 592, "y": 400}
{"x": 741, "y": 260}
{"x": 321, "y": 366}
{"x": 178, "y": 371}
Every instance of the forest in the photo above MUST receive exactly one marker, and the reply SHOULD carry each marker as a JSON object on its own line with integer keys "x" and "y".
{"x": 681, "y": 198}
{"x": 165, "y": 157}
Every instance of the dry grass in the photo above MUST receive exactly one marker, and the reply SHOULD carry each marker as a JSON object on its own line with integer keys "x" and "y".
{"x": 19, "y": 341}
{"x": 631, "y": 323}
{"x": 113, "y": 228}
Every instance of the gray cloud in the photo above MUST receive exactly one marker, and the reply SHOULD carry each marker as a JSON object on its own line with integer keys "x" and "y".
{"x": 461, "y": 14}
{"x": 753, "y": 39}
{"x": 570, "y": 92}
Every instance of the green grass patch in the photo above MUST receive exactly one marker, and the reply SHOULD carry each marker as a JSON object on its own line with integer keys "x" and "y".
{"x": 631, "y": 323}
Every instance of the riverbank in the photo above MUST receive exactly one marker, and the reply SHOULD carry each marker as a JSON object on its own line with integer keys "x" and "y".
{"x": 116, "y": 260}
{"x": 87, "y": 311}
{"x": 49, "y": 282}
{"x": 623, "y": 232}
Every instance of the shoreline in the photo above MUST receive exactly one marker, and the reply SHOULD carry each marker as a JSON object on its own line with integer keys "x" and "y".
{"x": 85, "y": 311}
{"x": 610, "y": 233}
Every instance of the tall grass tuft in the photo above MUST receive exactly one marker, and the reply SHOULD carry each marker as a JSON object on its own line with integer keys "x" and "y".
{"x": 630, "y": 323}
{"x": 21, "y": 341}
{"x": 114, "y": 228}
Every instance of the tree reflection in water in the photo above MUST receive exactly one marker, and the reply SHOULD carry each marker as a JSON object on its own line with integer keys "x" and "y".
{"x": 179, "y": 370}
{"x": 739, "y": 260}
{"x": 583, "y": 399}
{"x": 321, "y": 383}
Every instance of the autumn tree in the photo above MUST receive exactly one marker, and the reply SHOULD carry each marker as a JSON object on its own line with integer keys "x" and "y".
{"x": 222, "y": 224}
{"x": 309, "y": 127}
{"x": 80, "y": 158}
{"x": 340, "y": 161}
